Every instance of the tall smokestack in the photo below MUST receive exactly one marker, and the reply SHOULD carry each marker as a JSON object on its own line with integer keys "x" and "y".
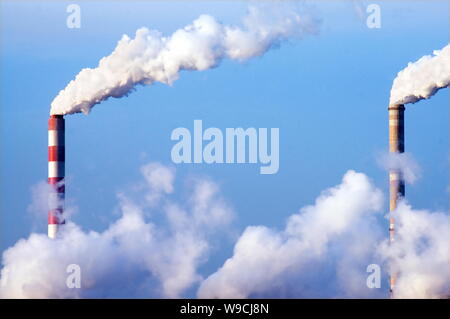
{"x": 396, "y": 182}
{"x": 56, "y": 163}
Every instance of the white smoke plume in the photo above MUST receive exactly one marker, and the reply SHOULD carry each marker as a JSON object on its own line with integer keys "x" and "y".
{"x": 333, "y": 234}
{"x": 402, "y": 162}
{"x": 159, "y": 180}
{"x": 39, "y": 199}
{"x": 325, "y": 249}
{"x": 423, "y": 78}
{"x": 43, "y": 197}
{"x": 420, "y": 254}
{"x": 134, "y": 257}
{"x": 151, "y": 57}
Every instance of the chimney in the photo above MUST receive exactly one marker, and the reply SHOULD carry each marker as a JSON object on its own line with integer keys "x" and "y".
{"x": 56, "y": 163}
{"x": 396, "y": 182}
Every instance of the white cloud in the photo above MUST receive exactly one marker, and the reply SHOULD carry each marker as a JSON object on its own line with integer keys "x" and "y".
{"x": 266, "y": 261}
{"x": 420, "y": 254}
{"x": 402, "y": 162}
{"x": 151, "y": 57}
{"x": 323, "y": 251}
{"x": 423, "y": 78}
{"x": 132, "y": 258}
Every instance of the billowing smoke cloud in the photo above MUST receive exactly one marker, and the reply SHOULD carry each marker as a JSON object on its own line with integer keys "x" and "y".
{"x": 151, "y": 57}
{"x": 39, "y": 199}
{"x": 423, "y": 78}
{"x": 134, "y": 257}
{"x": 159, "y": 180}
{"x": 43, "y": 197}
{"x": 300, "y": 257}
{"x": 325, "y": 249}
{"x": 420, "y": 254}
{"x": 402, "y": 162}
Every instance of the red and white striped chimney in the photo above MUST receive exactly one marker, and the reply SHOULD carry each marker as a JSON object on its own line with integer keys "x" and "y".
{"x": 56, "y": 163}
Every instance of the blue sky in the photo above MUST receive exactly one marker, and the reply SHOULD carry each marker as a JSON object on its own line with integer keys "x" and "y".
{"x": 328, "y": 94}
